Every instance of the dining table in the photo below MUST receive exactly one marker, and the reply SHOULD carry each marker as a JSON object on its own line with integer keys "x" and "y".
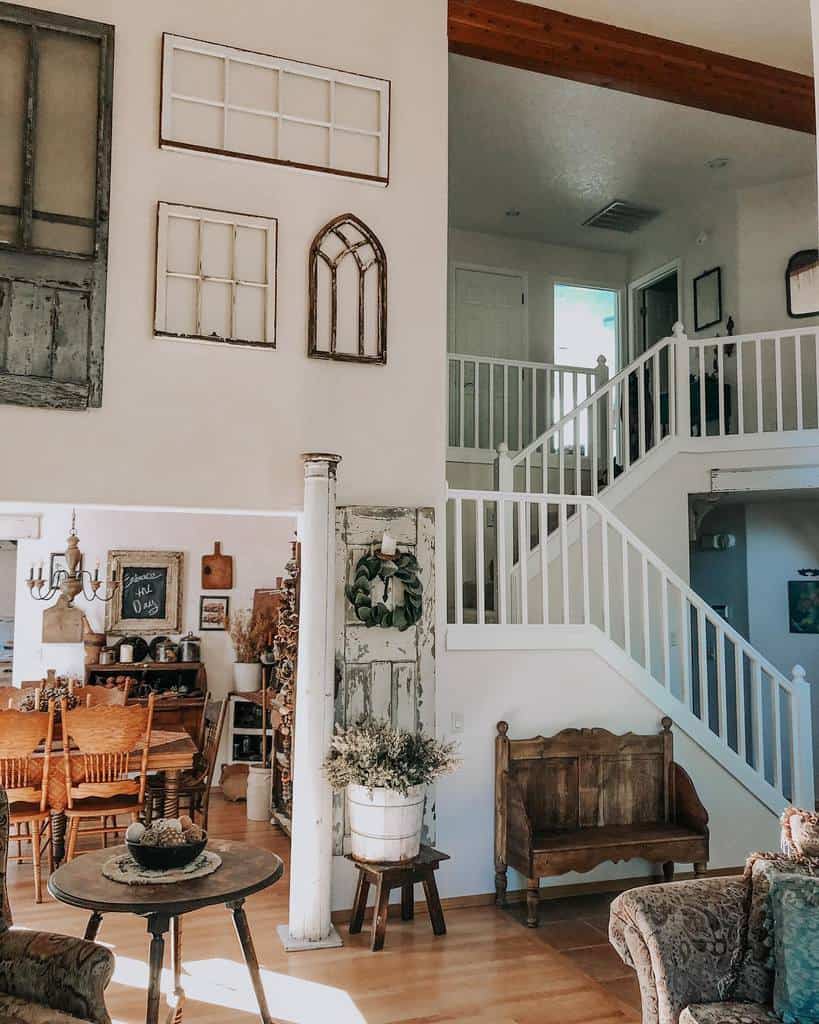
{"x": 170, "y": 752}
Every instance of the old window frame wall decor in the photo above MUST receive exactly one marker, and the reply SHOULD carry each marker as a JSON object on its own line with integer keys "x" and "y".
{"x": 231, "y": 279}
{"x": 340, "y": 232}
{"x": 307, "y": 109}
{"x": 53, "y": 271}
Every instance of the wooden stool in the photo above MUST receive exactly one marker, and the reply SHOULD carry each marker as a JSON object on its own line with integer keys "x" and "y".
{"x": 403, "y": 875}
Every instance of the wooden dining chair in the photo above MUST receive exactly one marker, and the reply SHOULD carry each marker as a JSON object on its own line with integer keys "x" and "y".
{"x": 113, "y": 695}
{"x": 25, "y": 776}
{"x": 99, "y": 769}
{"x": 196, "y": 783}
{"x": 17, "y": 694}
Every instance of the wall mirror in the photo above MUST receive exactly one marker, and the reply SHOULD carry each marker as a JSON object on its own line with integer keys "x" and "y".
{"x": 708, "y": 299}
{"x": 802, "y": 283}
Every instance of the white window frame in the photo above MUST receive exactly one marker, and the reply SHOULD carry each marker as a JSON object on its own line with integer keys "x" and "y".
{"x": 642, "y": 282}
{"x": 172, "y": 43}
{"x": 203, "y": 215}
{"x": 620, "y": 342}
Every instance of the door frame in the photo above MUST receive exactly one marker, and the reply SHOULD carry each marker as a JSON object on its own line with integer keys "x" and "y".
{"x": 456, "y": 265}
{"x": 642, "y": 282}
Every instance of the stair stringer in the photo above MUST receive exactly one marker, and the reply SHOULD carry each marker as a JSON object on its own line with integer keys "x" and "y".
{"x": 591, "y": 638}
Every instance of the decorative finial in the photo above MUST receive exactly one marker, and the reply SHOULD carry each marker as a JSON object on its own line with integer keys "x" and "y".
{"x": 666, "y": 723}
{"x": 503, "y": 728}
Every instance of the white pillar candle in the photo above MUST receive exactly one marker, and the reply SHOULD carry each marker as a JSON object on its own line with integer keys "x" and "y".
{"x": 388, "y": 545}
{"x": 126, "y": 653}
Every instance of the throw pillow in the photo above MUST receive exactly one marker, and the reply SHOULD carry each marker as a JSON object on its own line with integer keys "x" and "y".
{"x": 800, "y": 833}
{"x": 795, "y": 908}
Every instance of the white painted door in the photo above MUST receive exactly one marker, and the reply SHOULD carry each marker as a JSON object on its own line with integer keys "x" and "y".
{"x": 489, "y": 313}
{"x": 386, "y": 673}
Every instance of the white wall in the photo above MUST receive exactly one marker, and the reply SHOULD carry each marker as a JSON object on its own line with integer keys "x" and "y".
{"x": 751, "y": 234}
{"x": 545, "y": 266}
{"x": 199, "y": 425}
{"x": 542, "y": 693}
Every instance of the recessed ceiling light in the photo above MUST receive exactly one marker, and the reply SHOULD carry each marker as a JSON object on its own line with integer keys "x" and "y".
{"x": 512, "y": 212}
{"x": 718, "y": 163}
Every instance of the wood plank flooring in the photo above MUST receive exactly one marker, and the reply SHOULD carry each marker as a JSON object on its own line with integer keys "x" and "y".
{"x": 488, "y": 969}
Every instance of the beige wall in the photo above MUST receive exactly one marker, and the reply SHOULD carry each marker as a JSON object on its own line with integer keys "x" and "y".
{"x": 185, "y": 424}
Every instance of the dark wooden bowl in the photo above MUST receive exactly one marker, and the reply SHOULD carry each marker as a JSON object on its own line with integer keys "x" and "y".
{"x": 163, "y": 858}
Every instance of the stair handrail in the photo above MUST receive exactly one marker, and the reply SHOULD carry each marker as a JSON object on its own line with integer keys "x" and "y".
{"x": 678, "y": 335}
{"x": 473, "y": 357}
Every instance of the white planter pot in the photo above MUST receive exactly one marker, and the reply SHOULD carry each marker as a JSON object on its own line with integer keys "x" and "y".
{"x": 385, "y": 826}
{"x": 247, "y": 676}
{"x": 258, "y": 793}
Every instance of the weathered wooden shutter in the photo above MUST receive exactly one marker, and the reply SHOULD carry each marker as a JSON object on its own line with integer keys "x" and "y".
{"x": 56, "y": 78}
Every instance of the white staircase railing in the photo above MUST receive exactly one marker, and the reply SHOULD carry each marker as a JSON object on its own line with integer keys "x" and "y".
{"x": 593, "y": 571}
{"x": 700, "y": 390}
{"x": 494, "y": 401}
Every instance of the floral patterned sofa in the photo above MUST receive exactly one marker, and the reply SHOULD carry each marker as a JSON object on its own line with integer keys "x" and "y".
{"x": 702, "y": 948}
{"x": 47, "y": 978}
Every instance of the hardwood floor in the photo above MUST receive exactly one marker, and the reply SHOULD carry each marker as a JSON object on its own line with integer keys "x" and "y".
{"x": 488, "y": 969}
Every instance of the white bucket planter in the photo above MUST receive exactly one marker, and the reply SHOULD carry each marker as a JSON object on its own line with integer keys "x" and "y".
{"x": 258, "y": 792}
{"x": 385, "y": 826}
{"x": 247, "y": 676}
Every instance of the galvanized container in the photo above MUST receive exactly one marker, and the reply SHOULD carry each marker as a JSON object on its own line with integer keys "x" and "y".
{"x": 384, "y": 825}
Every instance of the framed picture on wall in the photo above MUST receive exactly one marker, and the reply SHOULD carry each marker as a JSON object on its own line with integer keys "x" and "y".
{"x": 212, "y": 612}
{"x": 802, "y": 283}
{"x": 708, "y": 299}
{"x": 149, "y": 598}
{"x": 803, "y": 606}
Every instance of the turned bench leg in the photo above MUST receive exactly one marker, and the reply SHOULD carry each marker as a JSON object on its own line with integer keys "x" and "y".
{"x": 500, "y": 885}
{"x": 532, "y": 898}
{"x": 700, "y": 868}
{"x": 668, "y": 871}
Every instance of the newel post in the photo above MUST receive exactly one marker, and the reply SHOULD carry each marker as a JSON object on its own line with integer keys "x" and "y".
{"x": 601, "y": 378}
{"x": 311, "y": 849}
{"x": 682, "y": 375}
{"x": 504, "y": 470}
{"x": 803, "y": 780}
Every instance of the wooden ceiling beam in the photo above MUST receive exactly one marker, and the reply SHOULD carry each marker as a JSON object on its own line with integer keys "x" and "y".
{"x": 523, "y": 35}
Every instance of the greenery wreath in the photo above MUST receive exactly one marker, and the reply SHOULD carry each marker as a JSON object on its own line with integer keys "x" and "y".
{"x": 404, "y": 568}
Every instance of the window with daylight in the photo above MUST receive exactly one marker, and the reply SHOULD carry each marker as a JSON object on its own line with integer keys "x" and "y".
{"x": 216, "y": 276}
{"x": 55, "y": 121}
{"x": 586, "y": 325}
{"x": 219, "y": 99}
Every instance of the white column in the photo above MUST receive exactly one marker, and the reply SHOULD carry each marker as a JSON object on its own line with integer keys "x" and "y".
{"x": 682, "y": 368}
{"x": 311, "y": 850}
{"x": 803, "y": 778}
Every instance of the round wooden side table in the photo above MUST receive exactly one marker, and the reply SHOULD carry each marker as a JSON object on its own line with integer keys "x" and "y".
{"x": 244, "y": 870}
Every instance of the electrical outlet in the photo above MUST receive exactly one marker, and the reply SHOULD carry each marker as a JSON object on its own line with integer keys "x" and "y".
{"x": 457, "y": 722}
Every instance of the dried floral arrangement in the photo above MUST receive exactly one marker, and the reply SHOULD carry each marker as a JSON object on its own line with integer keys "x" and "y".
{"x": 250, "y": 633}
{"x": 374, "y": 754}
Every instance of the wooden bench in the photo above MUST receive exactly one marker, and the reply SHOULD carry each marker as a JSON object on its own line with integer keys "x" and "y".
{"x": 584, "y": 796}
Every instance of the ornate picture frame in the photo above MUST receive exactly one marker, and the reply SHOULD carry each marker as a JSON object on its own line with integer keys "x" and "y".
{"x": 149, "y": 598}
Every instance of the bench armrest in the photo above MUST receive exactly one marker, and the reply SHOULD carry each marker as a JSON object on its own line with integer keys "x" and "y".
{"x": 690, "y": 811}
{"x": 680, "y": 938}
{"x": 56, "y": 971}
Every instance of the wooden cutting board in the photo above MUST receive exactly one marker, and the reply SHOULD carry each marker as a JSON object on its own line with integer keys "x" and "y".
{"x": 217, "y": 569}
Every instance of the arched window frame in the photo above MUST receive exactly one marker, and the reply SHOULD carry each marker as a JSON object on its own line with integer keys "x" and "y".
{"x": 335, "y": 229}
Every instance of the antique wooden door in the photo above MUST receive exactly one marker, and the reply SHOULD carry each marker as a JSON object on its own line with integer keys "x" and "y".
{"x": 387, "y": 673}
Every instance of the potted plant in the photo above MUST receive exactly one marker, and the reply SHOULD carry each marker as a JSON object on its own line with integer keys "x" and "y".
{"x": 385, "y": 772}
{"x": 250, "y": 635}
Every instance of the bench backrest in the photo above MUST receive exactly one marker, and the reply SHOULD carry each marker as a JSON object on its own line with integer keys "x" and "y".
{"x": 590, "y": 777}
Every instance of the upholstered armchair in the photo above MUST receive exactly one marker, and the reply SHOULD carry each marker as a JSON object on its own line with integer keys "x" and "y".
{"x": 47, "y": 978}
{"x": 702, "y": 948}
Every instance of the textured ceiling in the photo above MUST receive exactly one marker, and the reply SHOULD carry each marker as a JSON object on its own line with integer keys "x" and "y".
{"x": 558, "y": 151}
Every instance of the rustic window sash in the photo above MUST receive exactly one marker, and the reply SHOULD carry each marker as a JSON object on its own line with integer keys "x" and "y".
{"x": 281, "y": 67}
{"x": 201, "y": 217}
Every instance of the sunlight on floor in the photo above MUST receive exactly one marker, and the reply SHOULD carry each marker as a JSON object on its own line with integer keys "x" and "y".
{"x": 226, "y": 983}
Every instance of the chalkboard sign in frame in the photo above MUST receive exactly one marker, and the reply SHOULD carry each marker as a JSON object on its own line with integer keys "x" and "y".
{"x": 149, "y": 599}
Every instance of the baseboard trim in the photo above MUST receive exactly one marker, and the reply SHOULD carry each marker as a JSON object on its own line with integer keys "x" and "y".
{"x": 547, "y": 892}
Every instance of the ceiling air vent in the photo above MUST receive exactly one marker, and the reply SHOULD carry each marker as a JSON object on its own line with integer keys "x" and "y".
{"x": 621, "y": 216}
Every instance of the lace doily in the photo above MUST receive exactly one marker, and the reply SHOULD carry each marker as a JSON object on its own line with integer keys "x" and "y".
{"x": 123, "y": 868}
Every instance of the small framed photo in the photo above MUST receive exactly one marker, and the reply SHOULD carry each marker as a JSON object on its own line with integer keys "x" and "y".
{"x": 708, "y": 299}
{"x": 213, "y": 611}
{"x": 59, "y": 564}
{"x": 803, "y": 606}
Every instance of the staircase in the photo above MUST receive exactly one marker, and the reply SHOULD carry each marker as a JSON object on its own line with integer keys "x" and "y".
{"x": 544, "y": 562}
